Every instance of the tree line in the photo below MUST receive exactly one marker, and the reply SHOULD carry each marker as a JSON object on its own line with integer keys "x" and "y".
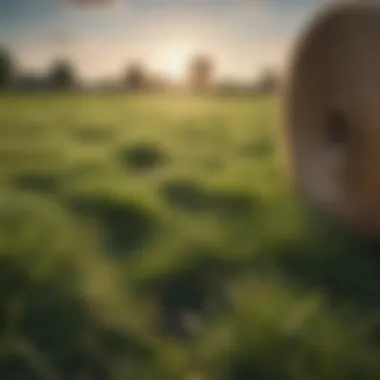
{"x": 62, "y": 75}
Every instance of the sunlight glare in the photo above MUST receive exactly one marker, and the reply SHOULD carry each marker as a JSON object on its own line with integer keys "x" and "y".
{"x": 174, "y": 61}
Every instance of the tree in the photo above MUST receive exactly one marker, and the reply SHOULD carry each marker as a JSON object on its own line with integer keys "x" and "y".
{"x": 6, "y": 68}
{"x": 135, "y": 78}
{"x": 200, "y": 72}
{"x": 62, "y": 75}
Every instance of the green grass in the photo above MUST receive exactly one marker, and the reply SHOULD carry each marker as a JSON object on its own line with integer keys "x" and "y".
{"x": 158, "y": 238}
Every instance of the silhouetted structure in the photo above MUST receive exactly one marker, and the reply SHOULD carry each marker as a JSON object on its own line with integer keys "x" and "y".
{"x": 200, "y": 72}
{"x": 135, "y": 78}
{"x": 6, "y": 68}
{"x": 62, "y": 76}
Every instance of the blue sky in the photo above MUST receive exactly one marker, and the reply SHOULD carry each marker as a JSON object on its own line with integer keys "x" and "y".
{"x": 101, "y": 36}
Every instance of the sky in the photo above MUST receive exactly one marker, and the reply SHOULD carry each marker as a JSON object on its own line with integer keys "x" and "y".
{"x": 101, "y": 37}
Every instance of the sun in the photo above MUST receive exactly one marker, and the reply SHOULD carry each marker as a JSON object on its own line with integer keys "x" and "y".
{"x": 173, "y": 61}
{"x": 175, "y": 66}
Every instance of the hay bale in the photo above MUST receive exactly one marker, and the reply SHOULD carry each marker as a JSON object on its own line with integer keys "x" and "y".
{"x": 333, "y": 114}
{"x": 45, "y": 183}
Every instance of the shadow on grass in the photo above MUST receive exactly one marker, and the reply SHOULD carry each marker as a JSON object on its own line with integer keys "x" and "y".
{"x": 231, "y": 204}
{"x": 37, "y": 182}
{"x": 193, "y": 289}
{"x": 50, "y": 325}
{"x": 143, "y": 157}
{"x": 185, "y": 195}
{"x": 191, "y": 197}
{"x": 127, "y": 226}
{"x": 335, "y": 261}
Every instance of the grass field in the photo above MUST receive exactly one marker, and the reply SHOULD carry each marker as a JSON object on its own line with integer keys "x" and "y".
{"x": 157, "y": 238}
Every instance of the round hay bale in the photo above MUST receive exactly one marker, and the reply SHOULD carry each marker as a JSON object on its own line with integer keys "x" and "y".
{"x": 332, "y": 113}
